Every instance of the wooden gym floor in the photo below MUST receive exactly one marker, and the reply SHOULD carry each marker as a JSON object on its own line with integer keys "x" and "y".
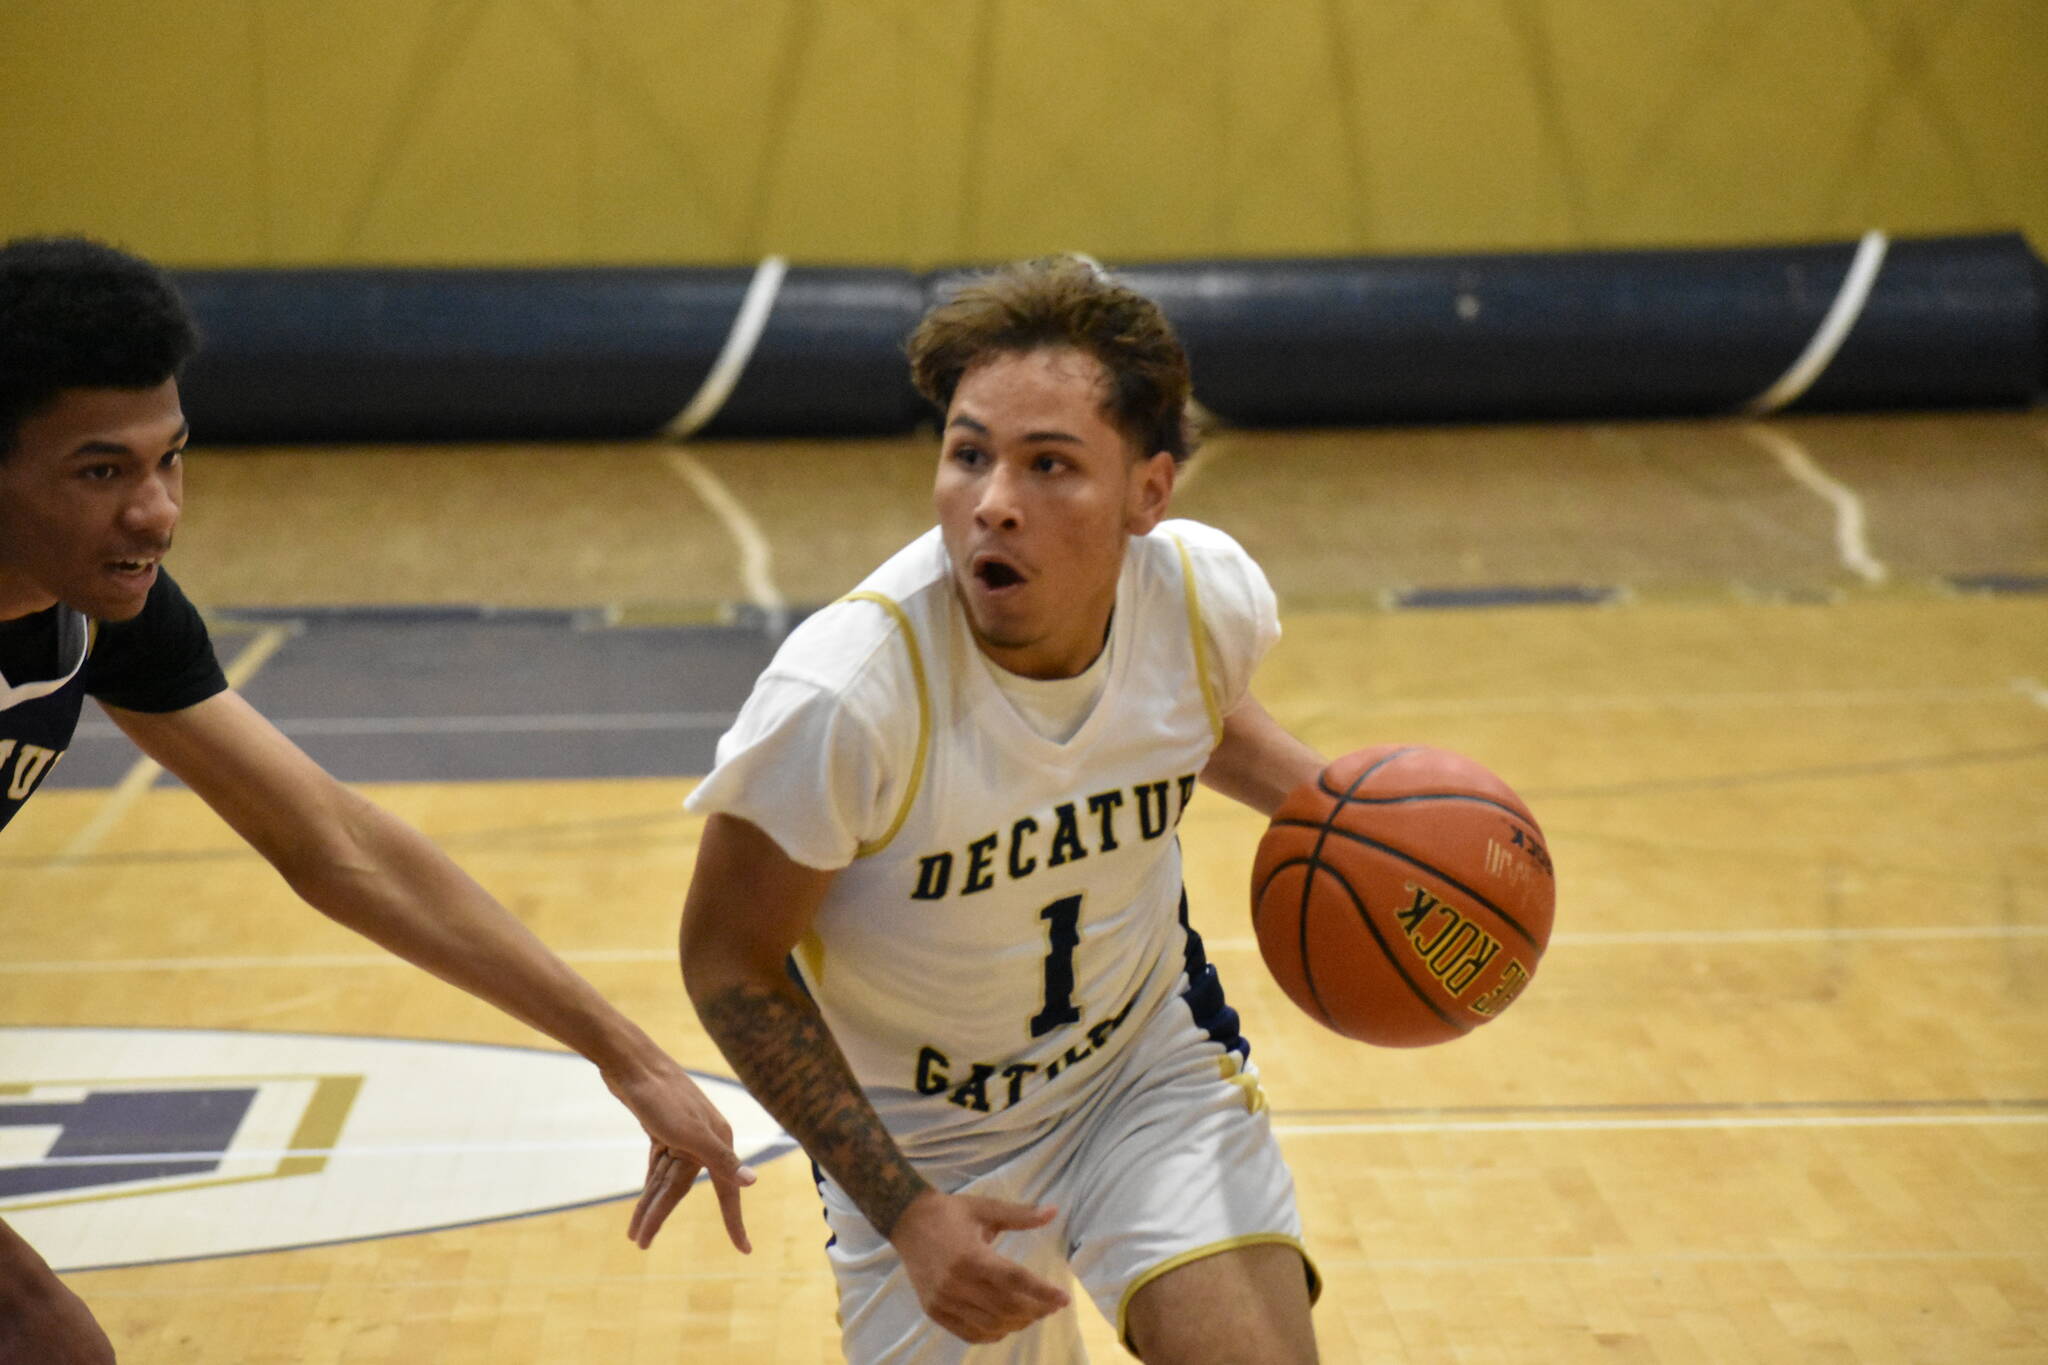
{"x": 1779, "y": 695}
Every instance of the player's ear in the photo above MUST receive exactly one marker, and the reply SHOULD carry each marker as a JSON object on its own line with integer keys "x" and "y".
{"x": 1150, "y": 490}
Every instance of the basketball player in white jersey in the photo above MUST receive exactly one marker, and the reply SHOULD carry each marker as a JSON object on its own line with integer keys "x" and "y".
{"x": 937, "y": 923}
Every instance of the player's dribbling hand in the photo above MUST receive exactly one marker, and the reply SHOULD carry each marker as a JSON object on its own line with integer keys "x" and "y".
{"x": 963, "y": 1284}
{"x": 688, "y": 1135}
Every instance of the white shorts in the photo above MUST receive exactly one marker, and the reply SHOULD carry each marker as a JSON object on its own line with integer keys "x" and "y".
{"x": 1170, "y": 1159}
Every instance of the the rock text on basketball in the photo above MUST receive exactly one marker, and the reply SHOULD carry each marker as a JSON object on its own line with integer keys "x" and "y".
{"x": 1452, "y": 948}
{"x": 1513, "y": 977}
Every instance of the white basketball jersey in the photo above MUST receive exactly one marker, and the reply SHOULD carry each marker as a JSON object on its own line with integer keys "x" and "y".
{"x": 1007, "y": 908}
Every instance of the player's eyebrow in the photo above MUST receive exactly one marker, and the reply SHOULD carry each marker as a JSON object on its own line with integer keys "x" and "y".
{"x": 963, "y": 420}
{"x": 117, "y": 448}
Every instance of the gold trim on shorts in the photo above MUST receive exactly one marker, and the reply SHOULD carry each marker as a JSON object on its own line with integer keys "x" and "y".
{"x": 1123, "y": 1306}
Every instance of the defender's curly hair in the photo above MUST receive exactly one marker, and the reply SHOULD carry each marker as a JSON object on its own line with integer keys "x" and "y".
{"x": 79, "y": 314}
{"x": 1065, "y": 301}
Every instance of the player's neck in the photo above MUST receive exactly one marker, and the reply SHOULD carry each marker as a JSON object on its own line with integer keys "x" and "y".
{"x": 1049, "y": 660}
{"x": 19, "y": 597}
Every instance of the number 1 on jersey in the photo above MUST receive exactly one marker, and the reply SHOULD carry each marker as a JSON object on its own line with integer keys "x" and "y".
{"x": 1064, "y": 917}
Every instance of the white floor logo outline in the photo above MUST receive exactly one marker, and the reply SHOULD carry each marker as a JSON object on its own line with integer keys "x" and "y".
{"x": 212, "y": 1143}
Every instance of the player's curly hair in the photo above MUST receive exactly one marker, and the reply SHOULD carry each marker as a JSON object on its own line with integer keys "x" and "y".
{"x": 1064, "y": 301}
{"x": 79, "y": 314}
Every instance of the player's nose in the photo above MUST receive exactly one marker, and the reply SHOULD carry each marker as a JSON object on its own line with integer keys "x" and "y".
{"x": 997, "y": 503}
{"x": 153, "y": 511}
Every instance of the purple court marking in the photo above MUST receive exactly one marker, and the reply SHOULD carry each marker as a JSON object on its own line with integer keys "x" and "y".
{"x": 1508, "y": 595}
{"x": 2001, "y": 584}
{"x": 472, "y": 694}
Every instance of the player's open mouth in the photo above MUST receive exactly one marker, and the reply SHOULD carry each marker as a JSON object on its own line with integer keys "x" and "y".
{"x": 131, "y": 568}
{"x": 996, "y": 574}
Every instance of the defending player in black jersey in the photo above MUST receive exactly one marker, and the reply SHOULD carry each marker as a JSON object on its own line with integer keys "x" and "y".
{"x": 91, "y": 444}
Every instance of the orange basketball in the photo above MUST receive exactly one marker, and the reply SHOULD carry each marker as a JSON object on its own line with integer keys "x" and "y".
{"x": 1404, "y": 897}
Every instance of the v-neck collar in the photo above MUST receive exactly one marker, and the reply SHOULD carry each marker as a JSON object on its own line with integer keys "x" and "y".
{"x": 74, "y": 636}
{"x": 989, "y": 697}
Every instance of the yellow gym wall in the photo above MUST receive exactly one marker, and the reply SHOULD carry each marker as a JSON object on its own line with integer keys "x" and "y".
{"x": 918, "y": 132}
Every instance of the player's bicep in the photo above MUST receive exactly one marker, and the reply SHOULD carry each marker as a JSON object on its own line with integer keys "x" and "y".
{"x": 748, "y": 906}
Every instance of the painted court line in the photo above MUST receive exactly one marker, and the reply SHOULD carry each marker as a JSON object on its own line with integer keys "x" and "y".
{"x": 598, "y": 722}
{"x": 1686, "y": 1124}
{"x": 1944, "y": 933}
{"x": 290, "y": 962}
{"x": 1702, "y": 701}
{"x": 1851, "y": 537}
{"x": 571, "y": 723}
{"x": 1678, "y": 1258}
{"x": 756, "y": 558}
{"x": 2026, "y": 689}
{"x": 410, "y": 1284}
{"x": 1938, "y": 933}
{"x": 381, "y": 1283}
{"x": 407, "y": 1151}
{"x": 1377, "y": 1127}
{"x": 144, "y": 774}
{"x": 376, "y": 1283}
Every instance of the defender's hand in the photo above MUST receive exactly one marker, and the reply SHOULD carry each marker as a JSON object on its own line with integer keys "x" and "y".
{"x": 688, "y": 1135}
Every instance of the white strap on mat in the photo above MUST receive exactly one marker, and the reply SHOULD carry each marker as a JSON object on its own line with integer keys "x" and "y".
{"x": 747, "y": 326}
{"x": 1834, "y": 329}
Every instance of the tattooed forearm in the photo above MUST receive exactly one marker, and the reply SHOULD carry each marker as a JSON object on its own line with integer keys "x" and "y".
{"x": 779, "y": 1045}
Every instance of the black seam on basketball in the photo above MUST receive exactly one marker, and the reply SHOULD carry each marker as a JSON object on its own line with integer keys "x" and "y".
{"x": 1301, "y": 925}
{"x": 1348, "y": 794}
{"x": 1500, "y": 806}
{"x": 1315, "y": 861}
{"x": 1296, "y": 822}
{"x": 1345, "y": 795}
{"x": 1447, "y": 878}
{"x": 1393, "y": 958}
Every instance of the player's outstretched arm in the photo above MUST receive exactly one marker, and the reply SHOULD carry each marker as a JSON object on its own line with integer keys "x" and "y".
{"x": 748, "y": 906}
{"x": 369, "y": 871}
{"x": 1258, "y": 761}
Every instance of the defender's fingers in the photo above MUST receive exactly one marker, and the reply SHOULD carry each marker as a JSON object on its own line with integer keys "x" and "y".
{"x": 729, "y": 1208}
{"x": 711, "y": 1152}
{"x": 641, "y": 1206}
{"x": 675, "y": 1183}
{"x": 651, "y": 1184}
{"x": 725, "y": 1167}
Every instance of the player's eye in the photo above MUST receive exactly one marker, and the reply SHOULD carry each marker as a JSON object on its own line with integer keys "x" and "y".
{"x": 1048, "y": 464}
{"x": 968, "y": 455}
{"x": 100, "y": 473}
{"x": 172, "y": 458}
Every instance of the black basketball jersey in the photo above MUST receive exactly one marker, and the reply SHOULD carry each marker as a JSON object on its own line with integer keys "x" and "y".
{"x": 162, "y": 660}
